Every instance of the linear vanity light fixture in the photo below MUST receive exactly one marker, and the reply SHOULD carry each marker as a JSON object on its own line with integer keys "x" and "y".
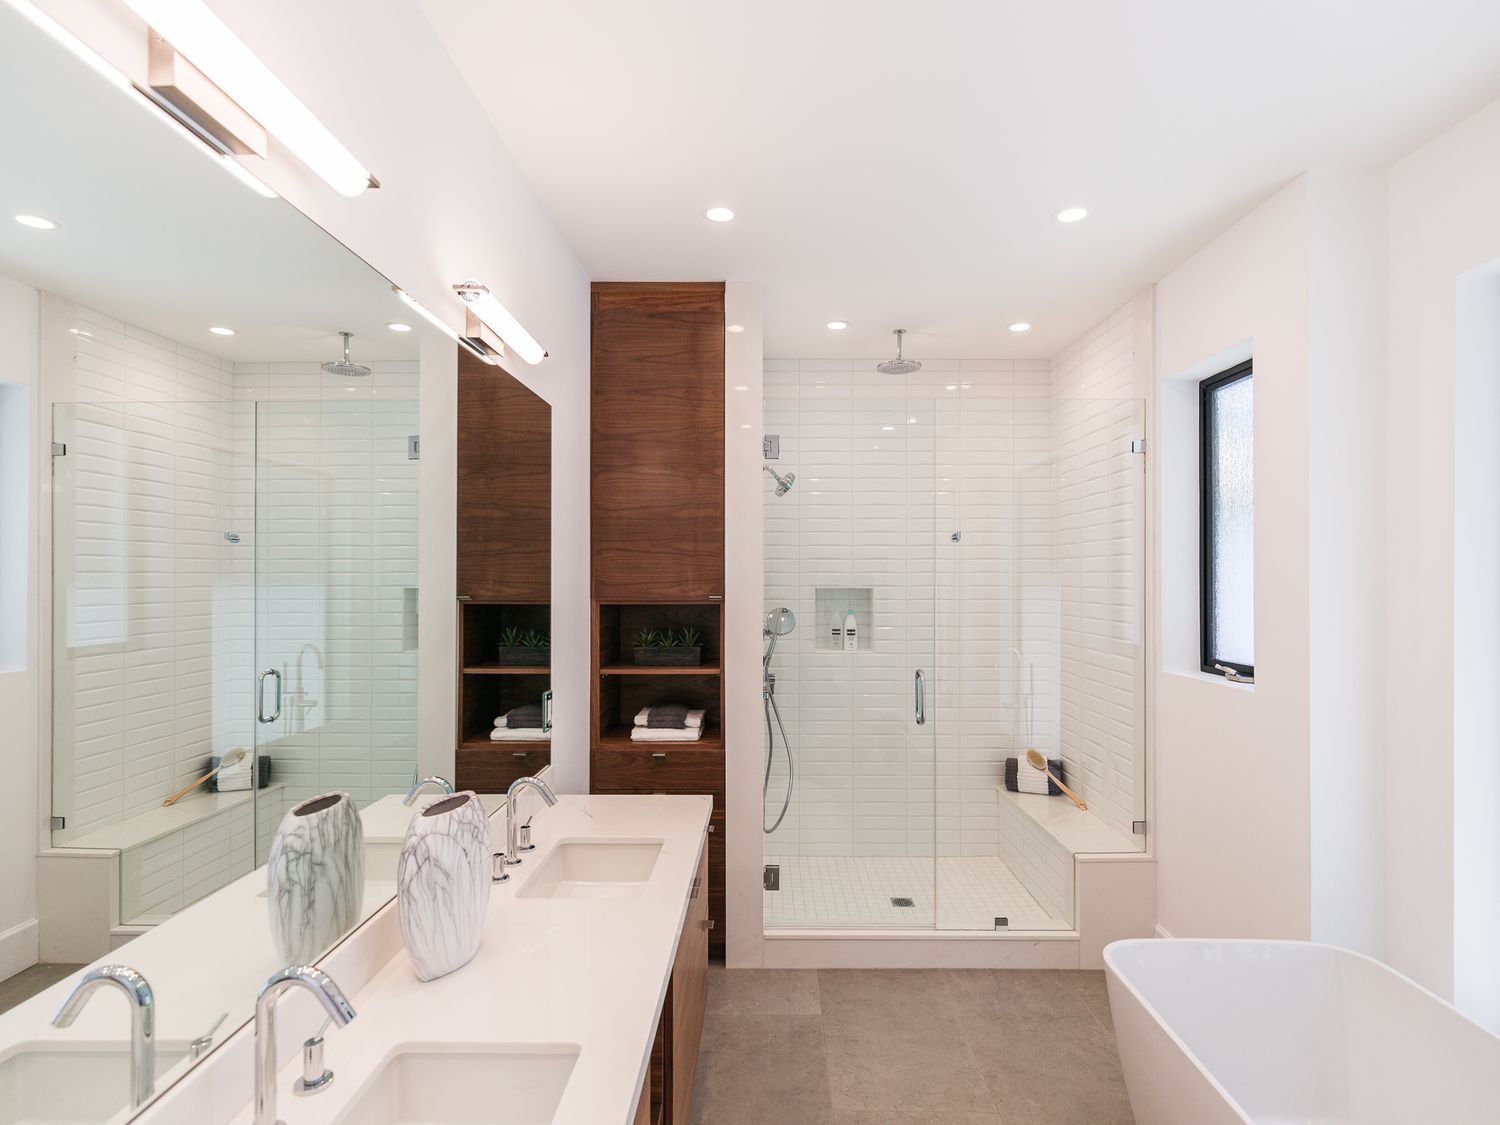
{"x": 441, "y": 325}
{"x": 489, "y": 313}
{"x": 223, "y": 61}
{"x": 111, "y": 74}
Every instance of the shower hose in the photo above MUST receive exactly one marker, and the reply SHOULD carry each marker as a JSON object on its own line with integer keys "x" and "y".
{"x": 769, "y": 695}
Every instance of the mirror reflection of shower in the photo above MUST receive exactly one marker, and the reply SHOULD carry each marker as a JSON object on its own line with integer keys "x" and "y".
{"x": 779, "y": 622}
{"x": 783, "y": 486}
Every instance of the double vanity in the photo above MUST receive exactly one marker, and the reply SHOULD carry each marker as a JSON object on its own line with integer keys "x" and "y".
{"x": 584, "y": 1004}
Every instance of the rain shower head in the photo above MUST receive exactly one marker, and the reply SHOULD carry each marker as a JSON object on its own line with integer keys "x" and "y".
{"x": 898, "y": 366}
{"x": 344, "y": 369}
{"x": 783, "y": 483}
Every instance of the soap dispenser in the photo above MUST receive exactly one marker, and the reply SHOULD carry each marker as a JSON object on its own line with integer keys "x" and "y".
{"x": 851, "y": 632}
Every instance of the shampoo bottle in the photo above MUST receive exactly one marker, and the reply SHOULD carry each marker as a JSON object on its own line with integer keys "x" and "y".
{"x": 851, "y": 632}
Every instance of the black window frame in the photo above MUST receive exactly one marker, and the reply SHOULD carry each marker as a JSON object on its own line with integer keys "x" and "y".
{"x": 1206, "y": 391}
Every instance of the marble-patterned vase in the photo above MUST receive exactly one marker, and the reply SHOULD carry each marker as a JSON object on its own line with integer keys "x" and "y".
{"x": 315, "y": 877}
{"x": 443, "y": 884}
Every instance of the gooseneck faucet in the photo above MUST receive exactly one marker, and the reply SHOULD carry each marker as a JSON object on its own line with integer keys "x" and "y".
{"x": 433, "y": 782}
{"x": 512, "y": 825}
{"x": 321, "y": 985}
{"x": 142, "y": 1021}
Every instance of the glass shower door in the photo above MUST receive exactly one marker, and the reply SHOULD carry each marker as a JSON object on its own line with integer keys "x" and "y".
{"x": 335, "y": 600}
{"x": 853, "y": 538}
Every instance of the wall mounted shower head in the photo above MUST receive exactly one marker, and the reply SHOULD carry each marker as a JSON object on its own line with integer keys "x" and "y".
{"x": 779, "y": 622}
{"x": 344, "y": 369}
{"x": 898, "y": 366}
{"x": 783, "y": 483}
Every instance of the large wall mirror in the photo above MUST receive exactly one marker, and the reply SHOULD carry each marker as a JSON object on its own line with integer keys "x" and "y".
{"x": 229, "y": 560}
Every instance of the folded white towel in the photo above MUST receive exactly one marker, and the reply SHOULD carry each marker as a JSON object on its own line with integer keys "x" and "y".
{"x": 665, "y": 734}
{"x": 233, "y": 778}
{"x": 1029, "y": 779}
{"x": 519, "y": 734}
{"x": 643, "y": 716}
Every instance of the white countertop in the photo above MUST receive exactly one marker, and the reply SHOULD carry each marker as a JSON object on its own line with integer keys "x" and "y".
{"x": 588, "y": 972}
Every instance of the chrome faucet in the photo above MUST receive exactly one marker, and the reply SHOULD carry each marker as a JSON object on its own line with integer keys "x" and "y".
{"x": 321, "y": 985}
{"x": 512, "y": 827}
{"x": 433, "y": 782}
{"x": 142, "y": 1022}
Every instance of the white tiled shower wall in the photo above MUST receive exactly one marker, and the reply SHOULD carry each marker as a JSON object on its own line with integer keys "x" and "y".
{"x": 1027, "y": 626}
{"x": 156, "y": 631}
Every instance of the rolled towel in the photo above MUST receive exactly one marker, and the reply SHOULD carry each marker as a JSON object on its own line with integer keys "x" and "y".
{"x": 643, "y": 718}
{"x": 520, "y": 734}
{"x": 1023, "y": 777}
{"x": 528, "y": 715}
{"x": 665, "y": 734}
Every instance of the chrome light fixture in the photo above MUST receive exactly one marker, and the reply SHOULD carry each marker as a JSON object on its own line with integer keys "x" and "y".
{"x": 484, "y": 312}
{"x": 440, "y": 324}
{"x": 224, "y": 83}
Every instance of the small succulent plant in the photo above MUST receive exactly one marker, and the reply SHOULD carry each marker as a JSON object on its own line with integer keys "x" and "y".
{"x": 513, "y": 637}
{"x": 668, "y": 638}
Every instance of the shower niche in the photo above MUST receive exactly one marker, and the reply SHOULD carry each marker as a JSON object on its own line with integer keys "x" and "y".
{"x": 831, "y": 606}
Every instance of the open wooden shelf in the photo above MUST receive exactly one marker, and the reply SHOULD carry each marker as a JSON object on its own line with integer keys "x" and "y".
{"x": 507, "y": 670}
{"x": 618, "y": 738}
{"x": 668, "y": 670}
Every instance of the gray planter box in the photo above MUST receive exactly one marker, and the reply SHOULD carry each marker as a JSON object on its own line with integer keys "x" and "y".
{"x": 524, "y": 655}
{"x": 658, "y": 657}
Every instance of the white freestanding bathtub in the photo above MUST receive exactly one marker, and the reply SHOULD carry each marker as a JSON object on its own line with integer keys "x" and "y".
{"x": 1283, "y": 1032}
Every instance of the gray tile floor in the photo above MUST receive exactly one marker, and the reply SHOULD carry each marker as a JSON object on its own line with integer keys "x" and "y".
{"x": 28, "y": 982}
{"x": 908, "y": 1047}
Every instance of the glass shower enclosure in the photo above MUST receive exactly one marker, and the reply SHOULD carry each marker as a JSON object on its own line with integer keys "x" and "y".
{"x": 986, "y": 536}
{"x": 234, "y": 591}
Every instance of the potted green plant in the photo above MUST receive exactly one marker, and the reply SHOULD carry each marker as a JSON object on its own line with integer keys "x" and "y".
{"x": 669, "y": 648}
{"x": 525, "y": 647}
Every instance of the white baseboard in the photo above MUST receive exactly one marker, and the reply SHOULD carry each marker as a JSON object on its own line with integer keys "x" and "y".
{"x": 1162, "y": 933}
{"x": 19, "y": 947}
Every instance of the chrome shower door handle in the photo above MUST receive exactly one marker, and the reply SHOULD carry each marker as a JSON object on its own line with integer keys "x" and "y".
{"x": 260, "y": 697}
{"x": 921, "y": 702}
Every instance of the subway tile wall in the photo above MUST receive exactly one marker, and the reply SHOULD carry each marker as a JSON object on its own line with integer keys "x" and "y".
{"x": 1026, "y": 625}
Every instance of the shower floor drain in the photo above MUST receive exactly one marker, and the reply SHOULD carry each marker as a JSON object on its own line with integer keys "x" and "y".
{"x": 903, "y": 901}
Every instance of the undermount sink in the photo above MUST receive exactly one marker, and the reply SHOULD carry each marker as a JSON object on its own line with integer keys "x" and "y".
{"x": 594, "y": 869}
{"x": 506, "y": 1085}
{"x": 71, "y": 1083}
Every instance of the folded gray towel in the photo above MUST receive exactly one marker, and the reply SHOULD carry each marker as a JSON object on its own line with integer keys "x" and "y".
{"x": 528, "y": 716}
{"x": 667, "y": 716}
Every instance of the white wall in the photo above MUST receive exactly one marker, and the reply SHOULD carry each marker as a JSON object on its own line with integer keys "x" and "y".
{"x": 1270, "y": 808}
{"x": 1443, "y": 838}
{"x": 18, "y": 678}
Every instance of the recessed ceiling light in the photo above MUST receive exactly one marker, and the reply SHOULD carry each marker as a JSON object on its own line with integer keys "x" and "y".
{"x": 36, "y": 222}
{"x": 911, "y": 421}
{"x": 734, "y": 328}
{"x": 838, "y": 325}
{"x": 718, "y": 214}
{"x": 397, "y": 326}
{"x": 1070, "y": 214}
{"x": 951, "y": 387}
{"x": 1020, "y": 326}
{"x": 220, "y": 331}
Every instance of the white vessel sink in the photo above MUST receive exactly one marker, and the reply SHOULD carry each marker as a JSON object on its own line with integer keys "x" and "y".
{"x": 505, "y": 1085}
{"x": 594, "y": 869}
{"x": 71, "y": 1083}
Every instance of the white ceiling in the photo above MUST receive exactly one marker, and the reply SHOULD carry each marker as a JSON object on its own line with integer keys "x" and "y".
{"x": 151, "y": 232}
{"x": 896, "y": 164}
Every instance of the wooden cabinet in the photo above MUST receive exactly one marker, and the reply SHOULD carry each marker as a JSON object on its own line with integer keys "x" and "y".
{"x": 687, "y": 999}
{"x": 504, "y": 487}
{"x": 658, "y": 442}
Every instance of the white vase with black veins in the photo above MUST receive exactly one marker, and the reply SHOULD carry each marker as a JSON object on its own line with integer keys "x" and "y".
{"x": 315, "y": 877}
{"x": 443, "y": 884}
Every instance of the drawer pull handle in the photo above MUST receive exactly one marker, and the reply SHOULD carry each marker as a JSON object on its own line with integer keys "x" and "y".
{"x": 659, "y": 754}
{"x": 519, "y": 754}
{"x": 708, "y": 925}
{"x": 697, "y": 886}
{"x": 710, "y": 827}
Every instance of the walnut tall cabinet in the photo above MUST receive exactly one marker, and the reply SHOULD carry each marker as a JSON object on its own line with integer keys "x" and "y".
{"x": 658, "y": 536}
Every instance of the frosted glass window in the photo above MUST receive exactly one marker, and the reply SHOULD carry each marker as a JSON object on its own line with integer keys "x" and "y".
{"x": 1228, "y": 471}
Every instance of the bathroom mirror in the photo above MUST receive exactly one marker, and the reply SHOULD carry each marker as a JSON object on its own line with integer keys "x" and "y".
{"x": 504, "y": 578}
{"x": 228, "y": 555}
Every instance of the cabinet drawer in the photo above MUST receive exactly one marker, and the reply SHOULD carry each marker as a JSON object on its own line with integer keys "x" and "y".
{"x": 680, "y": 771}
{"x": 492, "y": 770}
